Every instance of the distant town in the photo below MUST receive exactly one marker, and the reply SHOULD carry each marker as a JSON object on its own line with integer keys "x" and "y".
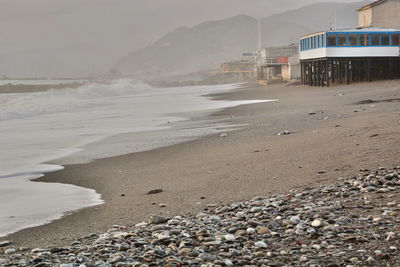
{"x": 366, "y": 53}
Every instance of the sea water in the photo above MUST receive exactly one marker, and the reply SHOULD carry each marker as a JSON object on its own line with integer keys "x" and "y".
{"x": 41, "y": 81}
{"x": 38, "y": 128}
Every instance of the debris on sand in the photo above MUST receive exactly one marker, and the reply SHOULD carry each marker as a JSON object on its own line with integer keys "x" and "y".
{"x": 155, "y": 191}
{"x": 285, "y": 132}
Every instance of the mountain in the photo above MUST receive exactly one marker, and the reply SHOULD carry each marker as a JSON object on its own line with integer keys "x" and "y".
{"x": 205, "y": 46}
{"x": 287, "y": 27}
{"x": 82, "y": 37}
{"x": 199, "y": 47}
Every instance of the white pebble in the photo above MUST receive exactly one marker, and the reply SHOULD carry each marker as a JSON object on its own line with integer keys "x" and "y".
{"x": 260, "y": 244}
{"x": 303, "y": 258}
{"x": 10, "y": 251}
{"x": 317, "y": 224}
{"x": 228, "y": 262}
{"x": 250, "y": 231}
{"x": 229, "y": 238}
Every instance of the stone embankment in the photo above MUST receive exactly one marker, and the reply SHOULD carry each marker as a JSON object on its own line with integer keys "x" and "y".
{"x": 354, "y": 222}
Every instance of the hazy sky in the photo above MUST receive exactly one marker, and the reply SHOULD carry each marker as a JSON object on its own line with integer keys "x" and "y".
{"x": 61, "y": 37}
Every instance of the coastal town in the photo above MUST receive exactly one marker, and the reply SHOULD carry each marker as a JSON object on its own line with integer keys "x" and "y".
{"x": 366, "y": 53}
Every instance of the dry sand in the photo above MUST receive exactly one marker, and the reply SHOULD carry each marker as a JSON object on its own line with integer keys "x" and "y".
{"x": 339, "y": 140}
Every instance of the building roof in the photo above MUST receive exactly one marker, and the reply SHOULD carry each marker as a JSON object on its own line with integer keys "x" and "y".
{"x": 378, "y": 2}
{"x": 237, "y": 62}
{"x": 353, "y": 30}
{"x": 366, "y": 29}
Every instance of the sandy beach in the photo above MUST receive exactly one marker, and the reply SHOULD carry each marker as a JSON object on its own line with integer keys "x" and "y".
{"x": 330, "y": 136}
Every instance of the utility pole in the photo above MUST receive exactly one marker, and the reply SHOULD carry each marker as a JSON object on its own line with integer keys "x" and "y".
{"x": 259, "y": 34}
{"x": 335, "y": 20}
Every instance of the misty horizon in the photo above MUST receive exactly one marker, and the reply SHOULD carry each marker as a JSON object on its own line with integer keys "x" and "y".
{"x": 82, "y": 38}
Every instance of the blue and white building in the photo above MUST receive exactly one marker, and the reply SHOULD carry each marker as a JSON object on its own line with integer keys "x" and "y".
{"x": 350, "y": 55}
{"x": 364, "y": 42}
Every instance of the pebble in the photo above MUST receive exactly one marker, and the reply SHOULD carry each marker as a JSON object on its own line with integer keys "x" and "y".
{"x": 10, "y": 251}
{"x": 157, "y": 219}
{"x": 251, "y": 231}
{"x": 347, "y": 223}
{"x": 294, "y": 219}
{"x": 229, "y": 238}
{"x": 262, "y": 230}
{"x": 260, "y": 244}
{"x": 317, "y": 223}
{"x": 228, "y": 262}
{"x": 5, "y": 243}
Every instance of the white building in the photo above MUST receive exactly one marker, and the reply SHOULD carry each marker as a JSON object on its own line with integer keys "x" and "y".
{"x": 381, "y": 13}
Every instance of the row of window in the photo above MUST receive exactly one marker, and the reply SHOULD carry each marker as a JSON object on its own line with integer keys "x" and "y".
{"x": 350, "y": 40}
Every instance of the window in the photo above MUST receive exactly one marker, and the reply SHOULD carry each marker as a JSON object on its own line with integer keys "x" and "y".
{"x": 376, "y": 40}
{"x": 395, "y": 39}
{"x": 331, "y": 40}
{"x": 353, "y": 40}
{"x": 385, "y": 39}
{"x": 342, "y": 40}
{"x": 364, "y": 40}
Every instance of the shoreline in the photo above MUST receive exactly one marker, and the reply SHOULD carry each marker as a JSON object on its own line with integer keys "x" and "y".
{"x": 214, "y": 170}
{"x": 352, "y": 221}
{"x": 81, "y": 124}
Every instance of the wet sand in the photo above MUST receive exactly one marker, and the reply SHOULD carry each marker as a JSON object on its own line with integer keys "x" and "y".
{"x": 339, "y": 139}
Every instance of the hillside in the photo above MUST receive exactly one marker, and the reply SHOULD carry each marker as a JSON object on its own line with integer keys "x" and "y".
{"x": 75, "y": 38}
{"x": 206, "y": 45}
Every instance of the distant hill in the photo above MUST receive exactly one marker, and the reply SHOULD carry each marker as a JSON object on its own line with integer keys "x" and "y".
{"x": 287, "y": 27}
{"x": 208, "y": 44}
{"x": 190, "y": 49}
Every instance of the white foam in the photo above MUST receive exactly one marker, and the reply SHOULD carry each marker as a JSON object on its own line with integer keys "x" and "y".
{"x": 41, "y": 81}
{"x": 36, "y": 128}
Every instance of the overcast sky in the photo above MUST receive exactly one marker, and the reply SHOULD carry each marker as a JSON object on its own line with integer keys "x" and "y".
{"x": 60, "y": 37}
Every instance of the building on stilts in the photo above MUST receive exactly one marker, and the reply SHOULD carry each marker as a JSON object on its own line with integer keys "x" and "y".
{"x": 346, "y": 56}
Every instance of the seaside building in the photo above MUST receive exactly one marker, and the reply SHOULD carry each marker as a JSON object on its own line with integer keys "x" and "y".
{"x": 292, "y": 71}
{"x": 273, "y": 62}
{"x": 381, "y": 13}
{"x": 238, "y": 68}
{"x": 344, "y": 56}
